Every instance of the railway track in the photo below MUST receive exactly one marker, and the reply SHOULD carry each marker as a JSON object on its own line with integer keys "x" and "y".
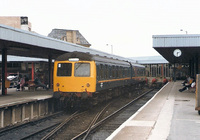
{"x": 89, "y": 129}
{"x": 61, "y": 125}
{"x": 105, "y": 127}
{"x": 80, "y": 126}
{"x": 75, "y": 126}
{"x": 102, "y": 121}
{"x": 33, "y": 128}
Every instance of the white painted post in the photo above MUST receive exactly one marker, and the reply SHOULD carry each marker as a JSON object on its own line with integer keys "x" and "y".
{"x": 32, "y": 111}
{"x": 13, "y": 115}
{"x": 23, "y": 112}
{"x": 46, "y": 107}
{"x": 2, "y": 118}
{"x": 39, "y": 109}
{"x": 197, "y": 107}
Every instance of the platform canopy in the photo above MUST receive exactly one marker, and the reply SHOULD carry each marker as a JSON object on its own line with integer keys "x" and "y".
{"x": 178, "y": 48}
{"x": 19, "y": 42}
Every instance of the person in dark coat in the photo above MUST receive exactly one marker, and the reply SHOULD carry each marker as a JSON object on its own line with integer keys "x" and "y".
{"x": 18, "y": 84}
{"x": 38, "y": 83}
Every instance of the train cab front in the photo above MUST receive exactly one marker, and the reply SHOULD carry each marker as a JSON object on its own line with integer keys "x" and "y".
{"x": 74, "y": 78}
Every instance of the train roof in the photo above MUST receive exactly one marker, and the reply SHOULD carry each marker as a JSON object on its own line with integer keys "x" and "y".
{"x": 90, "y": 57}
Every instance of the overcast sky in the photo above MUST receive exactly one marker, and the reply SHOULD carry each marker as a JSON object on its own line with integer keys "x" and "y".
{"x": 127, "y": 25}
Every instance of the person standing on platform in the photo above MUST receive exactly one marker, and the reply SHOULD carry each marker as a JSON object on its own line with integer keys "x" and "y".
{"x": 18, "y": 84}
{"x": 22, "y": 83}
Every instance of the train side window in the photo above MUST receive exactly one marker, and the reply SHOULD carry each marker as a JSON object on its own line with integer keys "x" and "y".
{"x": 138, "y": 72}
{"x": 98, "y": 74}
{"x": 101, "y": 72}
{"x": 126, "y": 72}
{"x": 133, "y": 72}
{"x": 110, "y": 71}
{"x": 64, "y": 69}
{"x": 106, "y": 72}
{"x": 121, "y": 72}
{"x": 142, "y": 72}
{"x": 82, "y": 69}
{"x": 117, "y": 72}
{"x": 113, "y": 71}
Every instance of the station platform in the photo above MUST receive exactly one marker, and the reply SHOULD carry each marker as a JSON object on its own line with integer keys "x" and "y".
{"x": 169, "y": 115}
{"x": 21, "y": 106}
{"x": 17, "y": 97}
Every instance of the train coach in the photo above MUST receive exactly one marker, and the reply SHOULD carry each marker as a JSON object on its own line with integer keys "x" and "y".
{"x": 82, "y": 75}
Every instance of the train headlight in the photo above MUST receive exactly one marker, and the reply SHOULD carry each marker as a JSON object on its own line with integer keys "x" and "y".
{"x": 73, "y": 59}
{"x": 88, "y": 85}
{"x": 57, "y": 84}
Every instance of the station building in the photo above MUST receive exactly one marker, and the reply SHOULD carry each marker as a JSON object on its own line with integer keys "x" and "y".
{"x": 158, "y": 67}
{"x": 180, "y": 56}
{"x": 181, "y": 51}
{"x": 72, "y": 36}
{"x": 20, "y": 22}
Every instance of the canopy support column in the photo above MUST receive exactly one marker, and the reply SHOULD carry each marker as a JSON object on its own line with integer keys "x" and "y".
{"x": 32, "y": 71}
{"x": 196, "y": 65}
{"x": 4, "y": 71}
{"x": 174, "y": 72}
{"x": 50, "y": 72}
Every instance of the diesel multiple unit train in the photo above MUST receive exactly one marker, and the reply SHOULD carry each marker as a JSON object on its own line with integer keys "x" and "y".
{"x": 82, "y": 75}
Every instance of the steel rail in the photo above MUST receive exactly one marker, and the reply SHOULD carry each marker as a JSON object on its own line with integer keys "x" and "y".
{"x": 103, "y": 120}
{"x": 96, "y": 118}
{"x": 40, "y": 131}
{"x": 108, "y": 117}
{"x": 54, "y": 131}
{"x": 34, "y": 121}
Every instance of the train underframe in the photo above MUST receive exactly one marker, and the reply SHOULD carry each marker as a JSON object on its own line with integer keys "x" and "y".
{"x": 87, "y": 99}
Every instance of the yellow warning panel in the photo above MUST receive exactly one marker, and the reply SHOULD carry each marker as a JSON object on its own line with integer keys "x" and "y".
{"x": 7, "y": 84}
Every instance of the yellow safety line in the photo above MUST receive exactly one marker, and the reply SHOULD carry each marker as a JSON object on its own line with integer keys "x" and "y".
{"x": 103, "y": 81}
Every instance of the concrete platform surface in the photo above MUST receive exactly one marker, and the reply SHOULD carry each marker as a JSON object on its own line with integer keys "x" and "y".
{"x": 14, "y": 97}
{"x": 169, "y": 115}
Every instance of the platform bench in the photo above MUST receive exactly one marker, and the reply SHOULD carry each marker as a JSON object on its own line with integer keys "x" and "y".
{"x": 31, "y": 85}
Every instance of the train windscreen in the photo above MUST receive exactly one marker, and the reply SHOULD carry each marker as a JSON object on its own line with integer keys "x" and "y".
{"x": 64, "y": 69}
{"x": 82, "y": 70}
